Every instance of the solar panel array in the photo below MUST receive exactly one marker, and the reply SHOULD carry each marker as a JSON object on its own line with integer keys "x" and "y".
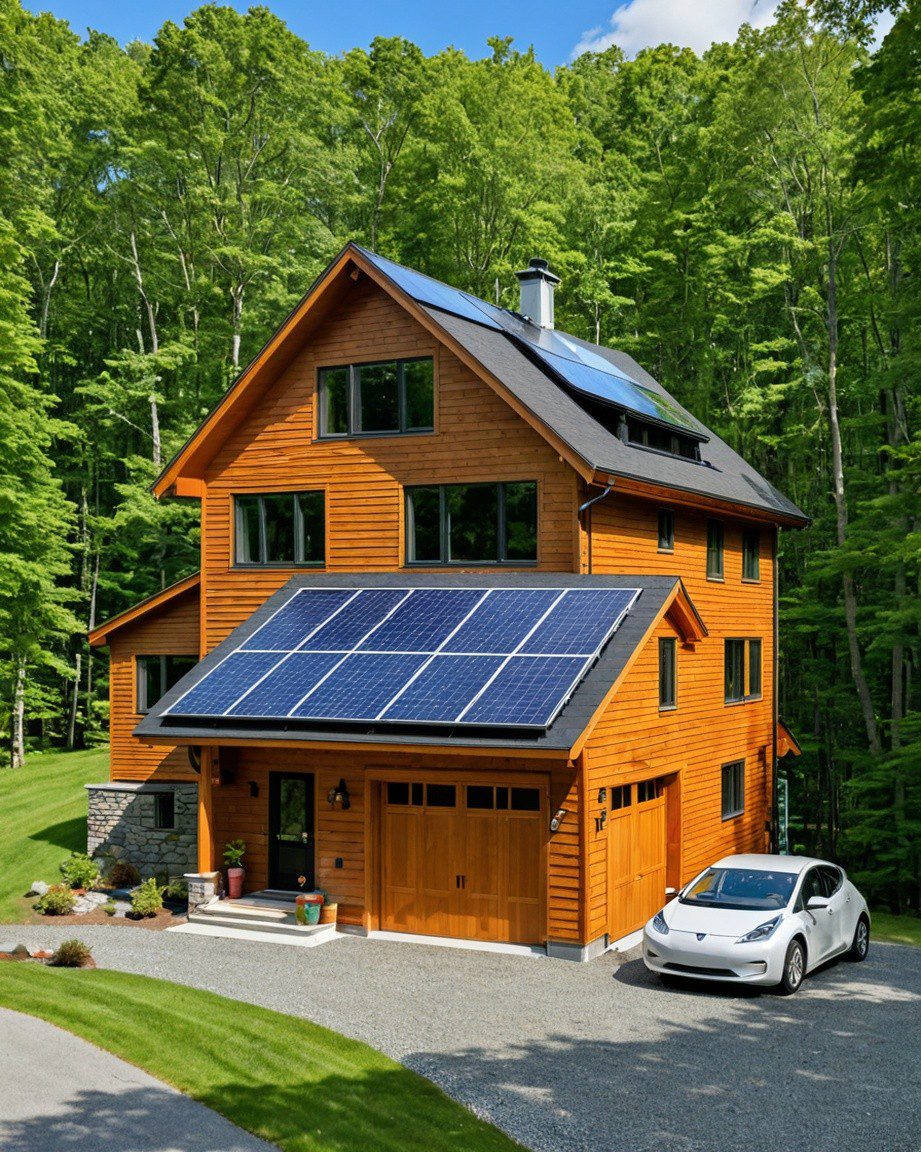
{"x": 504, "y": 657}
{"x": 584, "y": 370}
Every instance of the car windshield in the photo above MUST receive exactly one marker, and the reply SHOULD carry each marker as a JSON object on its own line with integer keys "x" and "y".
{"x": 741, "y": 888}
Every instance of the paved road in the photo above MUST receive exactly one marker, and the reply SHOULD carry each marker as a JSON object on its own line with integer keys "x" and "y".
{"x": 60, "y": 1094}
{"x": 578, "y": 1057}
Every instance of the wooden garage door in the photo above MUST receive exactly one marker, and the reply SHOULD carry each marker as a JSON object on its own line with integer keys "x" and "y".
{"x": 463, "y": 860}
{"x": 636, "y": 855}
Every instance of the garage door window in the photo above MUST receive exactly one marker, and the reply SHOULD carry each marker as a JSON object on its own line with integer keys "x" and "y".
{"x": 648, "y": 790}
{"x": 484, "y": 797}
{"x": 400, "y": 793}
{"x": 440, "y": 795}
{"x": 621, "y": 797}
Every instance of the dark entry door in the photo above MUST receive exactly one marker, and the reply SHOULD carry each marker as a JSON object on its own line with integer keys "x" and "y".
{"x": 291, "y": 831}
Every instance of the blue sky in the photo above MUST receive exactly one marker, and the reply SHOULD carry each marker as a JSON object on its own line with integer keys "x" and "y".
{"x": 557, "y": 30}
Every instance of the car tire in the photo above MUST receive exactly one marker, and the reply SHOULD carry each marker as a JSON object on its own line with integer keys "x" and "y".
{"x": 794, "y": 968}
{"x": 860, "y": 945}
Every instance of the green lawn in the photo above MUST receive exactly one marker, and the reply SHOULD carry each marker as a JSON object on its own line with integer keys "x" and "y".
{"x": 43, "y": 818}
{"x": 896, "y": 929}
{"x": 289, "y": 1081}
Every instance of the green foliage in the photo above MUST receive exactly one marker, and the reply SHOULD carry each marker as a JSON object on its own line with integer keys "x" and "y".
{"x": 80, "y": 871}
{"x": 122, "y": 874}
{"x": 234, "y": 852}
{"x": 71, "y": 954}
{"x": 110, "y": 907}
{"x": 146, "y": 899}
{"x": 57, "y": 901}
{"x": 177, "y": 891}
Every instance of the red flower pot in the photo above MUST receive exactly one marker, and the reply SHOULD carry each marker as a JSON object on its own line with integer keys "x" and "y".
{"x": 235, "y": 878}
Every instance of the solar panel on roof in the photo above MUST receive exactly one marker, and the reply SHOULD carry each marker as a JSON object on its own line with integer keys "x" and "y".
{"x": 474, "y": 656}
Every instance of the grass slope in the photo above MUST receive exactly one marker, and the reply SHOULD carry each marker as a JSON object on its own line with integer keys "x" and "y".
{"x": 43, "y": 820}
{"x": 896, "y": 929}
{"x": 288, "y": 1081}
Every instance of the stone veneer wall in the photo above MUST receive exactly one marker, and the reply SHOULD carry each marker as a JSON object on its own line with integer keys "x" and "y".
{"x": 120, "y": 824}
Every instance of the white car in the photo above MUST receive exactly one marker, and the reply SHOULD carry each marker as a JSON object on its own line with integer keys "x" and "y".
{"x": 756, "y": 919}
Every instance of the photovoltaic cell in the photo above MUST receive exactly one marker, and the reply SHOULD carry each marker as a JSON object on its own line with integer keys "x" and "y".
{"x": 502, "y": 620}
{"x": 443, "y": 689}
{"x": 282, "y": 689}
{"x": 580, "y": 623}
{"x": 527, "y": 692}
{"x": 303, "y": 612}
{"x": 360, "y": 687}
{"x": 423, "y": 621}
{"x": 215, "y": 693}
{"x": 347, "y": 628}
{"x": 428, "y": 291}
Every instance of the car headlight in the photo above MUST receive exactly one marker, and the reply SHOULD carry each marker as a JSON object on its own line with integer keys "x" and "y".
{"x": 762, "y": 932}
{"x": 658, "y": 922}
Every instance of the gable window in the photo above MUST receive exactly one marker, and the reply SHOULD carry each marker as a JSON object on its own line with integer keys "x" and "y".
{"x": 733, "y": 789}
{"x": 658, "y": 439}
{"x": 472, "y": 523}
{"x": 280, "y": 528}
{"x": 157, "y": 674}
{"x": 742, "y": 670}
{"x": 164, "y": 811}
{"x": 666, "y": 530}
{"x": 714, "y": 550}
{"x": 751, "y": 555}
{"x": 668, "y": 672}
{"x": 388, "y": 397}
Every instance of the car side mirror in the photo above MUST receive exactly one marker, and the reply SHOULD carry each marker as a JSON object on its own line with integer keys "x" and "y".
{"x": 815, "y": 903}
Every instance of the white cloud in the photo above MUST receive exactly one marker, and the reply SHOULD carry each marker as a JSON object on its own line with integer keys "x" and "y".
{"x": 688, "y": 23}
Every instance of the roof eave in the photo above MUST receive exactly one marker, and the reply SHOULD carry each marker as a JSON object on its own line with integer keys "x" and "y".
{"x": 98, "y": 637}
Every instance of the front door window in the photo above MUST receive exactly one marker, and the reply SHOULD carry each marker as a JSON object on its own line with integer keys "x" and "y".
{"x": 291, "y": 832}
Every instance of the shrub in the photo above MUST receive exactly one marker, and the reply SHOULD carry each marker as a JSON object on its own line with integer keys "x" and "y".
{"x": 57, "y": 901}
{"x": 177, "y": 890}
{"x": 234, "y": 853}
{"x": 122, "y": 874}
{"x": 79, "y": 871}
{"x": 110, "y": 908}
{"x": 146, "y": 899}
{"x": 71, "y": 954}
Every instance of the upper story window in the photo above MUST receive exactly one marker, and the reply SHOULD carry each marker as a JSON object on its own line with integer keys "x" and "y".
{"x": 472, "y": 523}
{"x": 714, "y": 550}
{"x": 742, "y": 670}
{"x": 284, "y": 528}
{"x": 662, "y": 440}
{"x": 666, "y": 530}
{"x": 733, "y": 789}
{"x": 387, "y": 398}
{"x": 751, "y": 554}
{"x": 157, "y": 674}
{"x": 668, "y": 672}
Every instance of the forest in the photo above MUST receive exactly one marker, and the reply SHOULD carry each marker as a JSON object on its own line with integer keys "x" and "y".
{"x": 745, "y": 223}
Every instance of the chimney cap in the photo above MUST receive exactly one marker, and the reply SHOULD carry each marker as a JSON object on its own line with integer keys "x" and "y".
{"x": 537, "y": 269}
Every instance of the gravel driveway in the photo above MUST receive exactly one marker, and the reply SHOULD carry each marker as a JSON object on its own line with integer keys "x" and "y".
{"x": 61, "y": 1094}
{"x": 566, "y": 1056}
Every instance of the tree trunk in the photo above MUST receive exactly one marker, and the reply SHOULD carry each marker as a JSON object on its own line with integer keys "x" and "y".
{"x": 237, "y": 296}
{"x": 74, "y": 702}
{"x": 18, "y": 747}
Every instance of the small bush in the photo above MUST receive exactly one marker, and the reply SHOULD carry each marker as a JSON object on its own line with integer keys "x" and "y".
{"x": 177, "y": 890}
{"x": 57, "y": 901}
{"x": 146, "y": 899}
{"x": 110, "y": 908}
{"x": 122, "y": 874}
{"x": 79, "y": 871}
{"x": 234, "y": 852}
{"x": 71, "y": 954}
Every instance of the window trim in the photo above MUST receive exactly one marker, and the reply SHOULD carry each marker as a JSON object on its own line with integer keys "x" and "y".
{"x": 444, "y": 531}
{"x": 747, "y": 695}
{"x": 142, "y": 704}
{"x": 669, "y": 643}
{"x": 246, "y": 565}
{"x": 354, "y": 400}
{"x": 669, "y": 537}
{"x": 734, "y": 813}
{"x": 720, "y": 576}
{"x": 747, "y": 535}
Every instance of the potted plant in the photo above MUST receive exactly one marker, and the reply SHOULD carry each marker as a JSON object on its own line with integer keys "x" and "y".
{"x": 329, "y": 910}
{"x": 233, "y": 858}
{"x": 307, "y": 906}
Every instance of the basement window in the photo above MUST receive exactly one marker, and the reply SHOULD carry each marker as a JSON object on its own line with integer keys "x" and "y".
{"x": 472, "y": 524}
{"x": 280, "y": 528}
{"x": 742, "y": 663}
{"x": 384, "y": 398}
{"x": 165, "y": 811}
{"x": 157, "y": 674}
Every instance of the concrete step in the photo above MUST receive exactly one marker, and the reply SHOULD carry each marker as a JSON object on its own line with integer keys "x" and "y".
{"x": 246, "y": 910}
{"x": 255, "y": 934}
{"x": 287, "y": 926}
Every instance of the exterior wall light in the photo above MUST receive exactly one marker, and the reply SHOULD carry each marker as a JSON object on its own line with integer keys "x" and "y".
{"x": 339, "y": 795}
{"x": 558, "y": 817}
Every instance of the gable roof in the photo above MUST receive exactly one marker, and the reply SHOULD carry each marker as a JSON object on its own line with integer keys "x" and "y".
{"x": 657, "y": 595}
{"x": 489, "y": 340}
{"x": 100, "y": 636}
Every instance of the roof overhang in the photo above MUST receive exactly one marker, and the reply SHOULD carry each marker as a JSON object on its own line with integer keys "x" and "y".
{"x": 787, "y": 744}
{"x": 99, "y": 636}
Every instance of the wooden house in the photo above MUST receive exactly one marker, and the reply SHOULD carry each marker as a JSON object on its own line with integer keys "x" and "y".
{"x": 484, "y": 635}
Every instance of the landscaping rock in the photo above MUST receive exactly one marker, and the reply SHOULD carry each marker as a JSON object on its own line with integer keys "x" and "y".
{"x": 97, "y": 898}
{"x": 39, "y": 888}
{"x": 82, "y": 905}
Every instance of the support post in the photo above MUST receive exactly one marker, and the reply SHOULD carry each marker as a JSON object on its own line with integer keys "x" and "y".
{"x": 205, "y": 812}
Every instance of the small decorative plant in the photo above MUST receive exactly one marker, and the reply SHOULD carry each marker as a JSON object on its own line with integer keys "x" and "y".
{"x": 234, "y": 852}
{"x": 110, "y": 908}
{"x": 177, "y": 890}
{"x": 57, "y": 901}
{"x": 71, "y": 954}
{"x": 122, "y": 874}
{"x": 80, "y": 871}
{"x": 146, "y": 899}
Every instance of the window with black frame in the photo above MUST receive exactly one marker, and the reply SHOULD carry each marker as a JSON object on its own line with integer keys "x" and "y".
{"x": 714, "y": 550}
{"x": 388, "y": 397}
{"x": 668, "y": 672}
{"x": 751, "y": 555}
{"x": 742, "y": 670}
{"x": 157, "y": 674}
{"x": 280, "y": 528}
{"x": 472, "y": 523}
{"x": 666, "y": 530}
{"x": 733, "y": 789}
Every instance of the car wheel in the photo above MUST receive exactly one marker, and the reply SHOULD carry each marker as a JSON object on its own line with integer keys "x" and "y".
{"x": 794, "y": 968}
{"x": 860, "y": 945}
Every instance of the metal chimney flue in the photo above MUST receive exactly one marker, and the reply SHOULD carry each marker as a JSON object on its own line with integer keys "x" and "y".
{"x": 537, "y": 284}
